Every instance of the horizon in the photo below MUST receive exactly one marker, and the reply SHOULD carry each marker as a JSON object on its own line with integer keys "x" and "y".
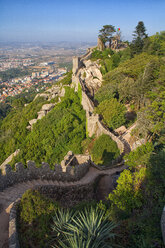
{"x": 73, "y": 21}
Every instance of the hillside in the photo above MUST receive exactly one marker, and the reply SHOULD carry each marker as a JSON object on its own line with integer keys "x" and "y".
{"x": 111, "y": 105}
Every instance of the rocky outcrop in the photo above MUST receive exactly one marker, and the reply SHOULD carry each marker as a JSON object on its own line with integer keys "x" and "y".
{"x": 8, "y": 160}
{"x": 90, "y": 76}
{"x": 55, "y": 91}
{"x": 41, "y": 114}
{"x": 32, "y": 122}
{"x": 100, "y": 44}
{"x": 47, "y": 107}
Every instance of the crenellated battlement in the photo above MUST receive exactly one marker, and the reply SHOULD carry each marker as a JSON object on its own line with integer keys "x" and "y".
{"x": 72, "y": 168}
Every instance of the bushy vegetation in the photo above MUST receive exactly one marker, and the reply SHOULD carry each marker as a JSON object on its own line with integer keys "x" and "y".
{"x": 139, "y": 81}
{"x": 35, "y": 216}
{"x": 104, "y": 150}
{"x": 138, "y": 200}
{"x": 43, "y": 223}
{"x": 110, "y": 59}
{"x": 13, "y": 128}
{"x": 61, "y": 130}
{"x": 113, "y": 113}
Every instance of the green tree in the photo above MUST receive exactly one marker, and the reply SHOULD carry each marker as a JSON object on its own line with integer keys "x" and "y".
{"x": 140, "y": 156}
{"x": 104, "y": 150}
{"x": 106, "y": 33}
{"x": 128, "y": 194}
{"x": 139, "y": 35}
{"x": 113, "y": 112}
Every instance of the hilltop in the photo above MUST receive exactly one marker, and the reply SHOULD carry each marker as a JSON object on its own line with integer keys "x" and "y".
{"x": 111, "y": 105}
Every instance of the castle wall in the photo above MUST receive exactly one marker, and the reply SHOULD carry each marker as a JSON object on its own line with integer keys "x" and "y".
{"x": 163, "y": 224}
{"x": 68, "y": 196}
{"x": 21, "y": 174}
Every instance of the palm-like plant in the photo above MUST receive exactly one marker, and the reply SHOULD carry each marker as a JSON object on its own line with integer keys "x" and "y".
{"x": 86, "y": 229}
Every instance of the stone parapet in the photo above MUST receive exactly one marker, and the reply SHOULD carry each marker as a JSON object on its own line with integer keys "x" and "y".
{"x": 21, "y": 174}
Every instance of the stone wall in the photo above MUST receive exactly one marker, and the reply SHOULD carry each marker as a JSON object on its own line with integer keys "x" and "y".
{"x": 67, "y": 196}
{"x": 22, "y": 174}
{"x": 94, "y": 125}
{"x": 13, "y": 235}
{"x": 163, "y": 224}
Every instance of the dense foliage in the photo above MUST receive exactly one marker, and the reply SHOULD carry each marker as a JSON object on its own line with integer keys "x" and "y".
{"x": 104, "y": 150}
{"x": 43, "y": 223}
{"x": 139, "y": 37}
{"x": 61, "y": 130}
{"x": 4, "y": 110}
{"x": 113, "y": 113}
{"x": 139, "y": 199}
{"x": 139, "y": 81}
{"x": 35, "y": 216}
{"x": 13, "y": 128}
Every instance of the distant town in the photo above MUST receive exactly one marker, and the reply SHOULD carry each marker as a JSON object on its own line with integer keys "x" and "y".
{"x": 38, "y": 79}
{"x": 27, "y": 65}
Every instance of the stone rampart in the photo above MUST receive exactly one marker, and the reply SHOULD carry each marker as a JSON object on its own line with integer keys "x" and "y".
{"x": 67, "y": 196}
{"x": 13, "y": 234}
{"x": 94, "y": 125}
{"x": 163, "y": 224}
{"x": 22, "y": 174}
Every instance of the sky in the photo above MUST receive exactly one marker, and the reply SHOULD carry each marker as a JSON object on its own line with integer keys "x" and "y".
{"x": 70, "y": 20}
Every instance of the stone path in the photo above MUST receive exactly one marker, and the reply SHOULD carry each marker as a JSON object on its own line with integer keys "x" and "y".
{"x": 11, "y": 194}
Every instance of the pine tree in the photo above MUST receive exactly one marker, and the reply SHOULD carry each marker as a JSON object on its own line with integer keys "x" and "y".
{"x": 106, "y": 33}
{"x": 139, "y": 36}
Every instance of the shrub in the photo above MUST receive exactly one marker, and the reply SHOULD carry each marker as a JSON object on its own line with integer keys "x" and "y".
{"x": 35, "y": 215}
{"x": 104, "y": 150}
{"x": 140, "y": 156}
{"x": 106, "y": 92}
{"x": 61, "y": 130}
{"x": 113, "y": 113}
{"x": 128, "y": 194}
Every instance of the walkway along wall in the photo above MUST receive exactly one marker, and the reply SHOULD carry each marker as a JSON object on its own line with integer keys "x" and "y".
{"x": 21, "y": 174}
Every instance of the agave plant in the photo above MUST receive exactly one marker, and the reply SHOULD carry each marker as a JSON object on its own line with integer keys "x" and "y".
{"x": 89, "y": 228}
{"x": 60, "y": 219}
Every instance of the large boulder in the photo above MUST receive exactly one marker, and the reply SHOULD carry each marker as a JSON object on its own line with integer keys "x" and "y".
{"x": 31, "y": 122}
{"x": 48, "y": 107}
{"x": 41, "y": 114}
{"x": 45, "y": 96}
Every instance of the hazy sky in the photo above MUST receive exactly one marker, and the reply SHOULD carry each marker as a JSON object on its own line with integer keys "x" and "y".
{"x": 70, "y": 20}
